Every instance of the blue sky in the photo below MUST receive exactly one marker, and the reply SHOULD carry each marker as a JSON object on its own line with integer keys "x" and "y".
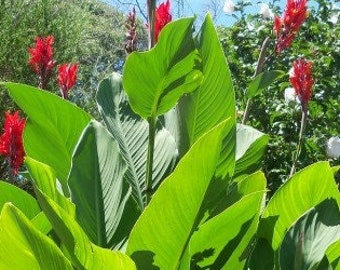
{"x": 200, "y": 7}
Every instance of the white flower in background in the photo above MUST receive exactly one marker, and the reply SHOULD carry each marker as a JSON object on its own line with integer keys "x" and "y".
{"x": 266, "y": 12}
{"x": 290, "y": 95}
{"x": 333, "y": 147}
{"x": 229, "y": 7}
{"x": 334, "y": 16}
{"x": 334, "y": 13}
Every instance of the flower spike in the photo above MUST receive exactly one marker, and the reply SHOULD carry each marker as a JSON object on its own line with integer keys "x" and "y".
{"x": 41, "y": 59}
{"x": 301, "y": 79}
{"x": 67, "y": 77}
{"x": 162, "y": 17}
{"x": 286, "y": 27}
{"x": 11, "y": 143}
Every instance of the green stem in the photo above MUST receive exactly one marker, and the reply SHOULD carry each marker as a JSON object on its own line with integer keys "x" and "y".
{"x": 259, "y": 68}
{"x": 299, "y": 146}
{"x": 151, "y": 20}
{"x": 149, "y": 162}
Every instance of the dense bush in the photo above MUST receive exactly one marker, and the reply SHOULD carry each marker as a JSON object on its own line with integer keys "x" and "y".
{"x": 318, "y": 40}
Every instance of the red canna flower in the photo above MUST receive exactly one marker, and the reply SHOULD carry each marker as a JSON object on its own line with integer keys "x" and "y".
{"x": 67, "y": 77}
{"x": 286, "y": 28}
{"x": 162, "y": 17}
{"x": 41, "y": 59}
{"x": 11, "y": 144}
{"x": 302, "y": 80}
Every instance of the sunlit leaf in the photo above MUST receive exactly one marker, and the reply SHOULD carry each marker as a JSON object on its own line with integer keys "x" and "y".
{"x": 22, "y": 246}
{"x": 53, "y": 127}
{"x": 163, "y": 231}
{"x": 156, "y": 79}
{"x": 306, "y": 242}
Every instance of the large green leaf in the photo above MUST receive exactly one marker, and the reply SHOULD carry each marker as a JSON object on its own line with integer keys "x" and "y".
{"x": 21, "y": 199}
{"x": 155, "y": 80}
{"x": 250, "y": 148}
{"x": 226, "y": 236}
{"x": 307, "y": 240}
{"x": 214, "y": 101}
{"x": 131, "y": 133}
{"x": 333, "y": 255}
{"x": 303, "y": 191}
{"x": 96, "y": 184}
{"x": 45, "y": 179}
{"x": 53, "y": 127}
{"x": 262, "y": 81}
{"x": 22, "y": 246}
{"x": 162, "y": 233}
{"x": 82, "y": 252}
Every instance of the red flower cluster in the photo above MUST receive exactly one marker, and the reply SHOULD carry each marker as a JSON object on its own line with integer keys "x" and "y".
{"x": 162, "y": 17}
{"x": 11, "y": 144}
{"x": 67, "y": 77}
{"x": 302, "y": 80}
{"x": 131, "y": 35}
{"x": 286, "y": 28}
{"x": 41, "y": 59}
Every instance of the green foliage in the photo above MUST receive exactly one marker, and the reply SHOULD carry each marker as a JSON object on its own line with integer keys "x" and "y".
{"x": 21, "y": 199}
{"x": 131, "y": 133}
{"x": 262, "y": 81}
{"x": 297, "y": 196}
{"x": 23, "y": 246}
{"x": 82, "y": 253}
{"x": 306, "y": 241}
{"x": 192, "y": 175}
{"x": 88, "y": 32}
{"x": 98, "y": 196}
{"x": 61, "y": 135}
{"x": 209, "y": 212}
{"x": 317, "y": 40}
{"x": 154, "y": 87}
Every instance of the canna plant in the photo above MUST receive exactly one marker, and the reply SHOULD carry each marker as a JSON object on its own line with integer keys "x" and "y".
{"x": 171, "y": 181}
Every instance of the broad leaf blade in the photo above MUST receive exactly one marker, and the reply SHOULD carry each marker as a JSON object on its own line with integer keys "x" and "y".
{"x": 304, "y": 190}
{"x": 214, "y": 101}
{"x": 178, "y": 199}
{"x": 83, "y": 253}
{"x": 333, "y": 255}
{"x": 131, "y": 133}
{"x": 262, "y": 81}
{"x": 44, "y": 178}
{"x": 22, "y": 246}
{"x": 155, "y": 80}
{"x": 306, "y": 242}
{"x": 227, "y": 235}
{"x": 53, "y": 127}
{"x": 96, "y": 184}
{"x": 250, "y": 148}
{"x": 21, "y": 199}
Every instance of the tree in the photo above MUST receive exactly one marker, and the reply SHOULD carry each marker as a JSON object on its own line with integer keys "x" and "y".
{"x": 88, "y": 32}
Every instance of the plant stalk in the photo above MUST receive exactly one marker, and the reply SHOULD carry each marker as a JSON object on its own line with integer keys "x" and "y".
{"x": 260, "y": 63}
{"x": 149, "y": 161}
{"x": 299, "y": 146}
{"x": 151, "y": 21}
